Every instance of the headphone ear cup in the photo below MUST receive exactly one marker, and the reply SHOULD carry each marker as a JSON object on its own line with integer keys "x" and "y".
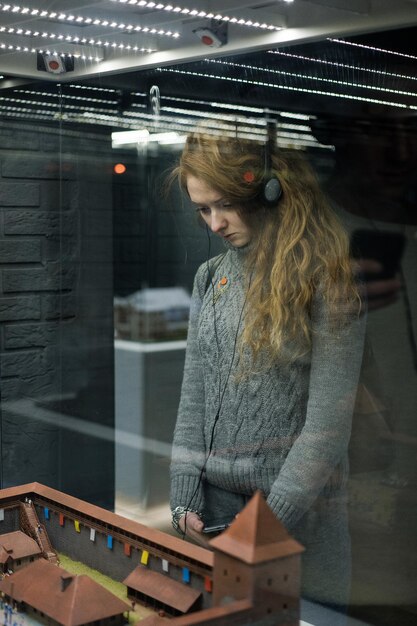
{"x": 271, "y": 191}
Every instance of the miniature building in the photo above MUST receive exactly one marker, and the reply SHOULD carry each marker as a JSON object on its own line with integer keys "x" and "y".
{"x": 17, "y": 550}
{"x": 256, "y": 574}
{"x": 161, "y": 592}
{"x": 153, "y": 314}
{"x": 254, "y": 569}
{"x": 108, "y": 542}
{"x": 46, "y": 590}
{"x": 255, "y": 558}
{"x": 237, "y": 613}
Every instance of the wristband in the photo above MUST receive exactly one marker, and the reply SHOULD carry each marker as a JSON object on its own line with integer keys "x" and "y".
{"x": 177, "y": 514}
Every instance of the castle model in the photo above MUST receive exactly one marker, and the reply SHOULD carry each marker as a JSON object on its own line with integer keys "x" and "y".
{"x": 251, "y": 575}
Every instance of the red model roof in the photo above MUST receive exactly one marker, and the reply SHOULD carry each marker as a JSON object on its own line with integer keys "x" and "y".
{"x": 256, "y": 535}
{"x": 17, "y": 545}
{"x": 162, "y": 588}
{"x": 237, "y": 612}
{"x": 69, "y": 600}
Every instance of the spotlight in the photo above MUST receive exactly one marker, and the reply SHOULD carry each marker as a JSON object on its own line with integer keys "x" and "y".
{"x": 54, "y": 63}
{"x": 213, "y": 36}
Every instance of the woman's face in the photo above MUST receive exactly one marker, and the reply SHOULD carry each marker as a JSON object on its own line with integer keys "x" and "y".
{"x": 219, "y": 214}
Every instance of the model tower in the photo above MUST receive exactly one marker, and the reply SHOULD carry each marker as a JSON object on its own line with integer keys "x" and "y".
{"x": 256, "y": 559}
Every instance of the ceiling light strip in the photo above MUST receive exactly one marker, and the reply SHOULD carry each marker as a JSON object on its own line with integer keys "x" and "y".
{"x": 344, "y": 96}
{"x": 117, "y": 122}
{"x": 256, "y": 122}
{"x": 149, "y": 117}
{"x": 237, "y": 107}
{"x": 66, "y": 97}
{"x": 224, "y": 105}
{"x": 42, "y": 112}
{"x": 191, "y": 113}
{"x": 208, "y": 115}
{"x": 186, "y": 126}
{"x": 85, "y": 41}
{"x": 90, "y": 88}
{"x": 170, "y": 8}
{"x": 343, "y": 65}
{"x": 372, "y": 48}
{"x": 333, "y": 81}
{"x": 220, "y": 105}
{"x": 295, "y": 116}
{"x": 232, "y": 107}
{"x": 48, "y": 94}
{"x": 5, "y": 46}
{"x": 51, "y": 105}
{"x": 139, "y": 124}
{"x": 87, "y": 21}
{"x": 75, "y": 55}
{"x": 217, "y": 129}
{"x": 167, "y": 118}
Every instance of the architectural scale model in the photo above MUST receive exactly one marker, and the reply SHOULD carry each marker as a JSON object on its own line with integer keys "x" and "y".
{"x": 45, "y": 589}
{"x": 251, "y": 576}
{"x": 17, "y": 550}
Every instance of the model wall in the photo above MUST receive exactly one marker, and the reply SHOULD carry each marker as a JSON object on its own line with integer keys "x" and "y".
{"x": 73, "y": 538}
{"x": 10, "y": 520}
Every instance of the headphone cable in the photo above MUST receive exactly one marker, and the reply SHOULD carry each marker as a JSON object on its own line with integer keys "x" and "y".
{"x": 221, "y": 393}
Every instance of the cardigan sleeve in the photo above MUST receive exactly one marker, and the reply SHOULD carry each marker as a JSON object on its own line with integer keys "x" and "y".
{"x": 188, "y": 450}
{"x": 318, "y": 457}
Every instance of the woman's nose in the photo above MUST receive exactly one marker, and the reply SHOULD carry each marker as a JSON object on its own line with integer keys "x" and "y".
{"x": 218, "y": 221}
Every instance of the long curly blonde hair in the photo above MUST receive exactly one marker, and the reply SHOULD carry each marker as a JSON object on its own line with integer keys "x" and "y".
{"x": 298, "y": 248}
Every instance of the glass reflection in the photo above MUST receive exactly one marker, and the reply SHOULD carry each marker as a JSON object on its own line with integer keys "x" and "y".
{"x": 77, "y": 237}
{"x": 57, "y": 341}
{"x": 373, "y": 187}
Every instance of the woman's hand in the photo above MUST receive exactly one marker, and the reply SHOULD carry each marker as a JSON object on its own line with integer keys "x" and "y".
{"x": 192, "y": 526}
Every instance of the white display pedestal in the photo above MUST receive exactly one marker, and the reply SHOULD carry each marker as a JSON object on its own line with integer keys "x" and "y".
{"x": 148, "y": 380}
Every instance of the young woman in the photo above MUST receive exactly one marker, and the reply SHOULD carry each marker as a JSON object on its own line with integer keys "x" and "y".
{"x": 273, "y": 356}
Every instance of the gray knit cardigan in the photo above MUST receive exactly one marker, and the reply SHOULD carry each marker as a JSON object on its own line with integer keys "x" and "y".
{"x": 284, "y": 430}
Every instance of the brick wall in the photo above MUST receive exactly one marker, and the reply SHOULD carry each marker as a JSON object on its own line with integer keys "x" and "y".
{"x": 56, "y": 291}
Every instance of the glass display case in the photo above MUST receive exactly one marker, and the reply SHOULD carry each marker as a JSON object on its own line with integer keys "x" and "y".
{"x": 99, "y": 248}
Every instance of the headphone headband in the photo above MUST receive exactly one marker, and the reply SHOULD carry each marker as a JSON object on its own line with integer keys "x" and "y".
{"x": 271, "y": 190}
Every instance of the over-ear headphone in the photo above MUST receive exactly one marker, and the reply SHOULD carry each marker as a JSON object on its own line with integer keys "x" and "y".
{"x": 271, "y": 189}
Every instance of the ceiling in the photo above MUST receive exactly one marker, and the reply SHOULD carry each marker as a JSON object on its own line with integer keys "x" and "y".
{"x": 306, "y": 58}
{"x": 109, "y": 37}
